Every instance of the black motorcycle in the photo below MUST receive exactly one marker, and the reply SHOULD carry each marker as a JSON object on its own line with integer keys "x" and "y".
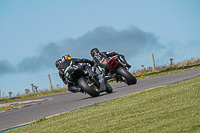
{"x": 89, "y": 81}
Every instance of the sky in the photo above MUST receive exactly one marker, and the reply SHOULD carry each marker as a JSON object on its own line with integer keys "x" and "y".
{"x": 35, "y": 33}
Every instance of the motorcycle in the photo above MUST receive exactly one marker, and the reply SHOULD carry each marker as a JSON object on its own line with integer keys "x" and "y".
{"x": 89, "y": 81}
{"x": 117, "y": 68}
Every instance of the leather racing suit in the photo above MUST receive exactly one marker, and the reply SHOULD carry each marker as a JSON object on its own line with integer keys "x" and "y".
{"x": 101, "y": 59}
{"x": 66, "y": 65}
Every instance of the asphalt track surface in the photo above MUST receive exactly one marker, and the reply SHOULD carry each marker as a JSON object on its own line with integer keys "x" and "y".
{"x": 49, "y": 106}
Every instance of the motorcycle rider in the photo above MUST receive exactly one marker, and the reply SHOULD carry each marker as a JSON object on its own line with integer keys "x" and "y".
{"x": 65, "y": 64}
{"x": 101, "y": 59}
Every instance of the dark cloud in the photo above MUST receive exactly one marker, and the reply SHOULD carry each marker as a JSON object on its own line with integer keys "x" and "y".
{"x": 130, "y": 42}
{"x": 45, "y": 59}
{"x": 5, "y": 67}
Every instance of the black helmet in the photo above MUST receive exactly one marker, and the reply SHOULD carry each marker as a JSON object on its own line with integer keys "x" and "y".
{"x": 94, "y": 51}
{"x": 58, "y": 63}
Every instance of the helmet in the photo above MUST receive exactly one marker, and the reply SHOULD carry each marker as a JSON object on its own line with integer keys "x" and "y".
{"x": 58, "y": 63}
{"x": 94, "y": 51}
{"x": 66, "y": 57}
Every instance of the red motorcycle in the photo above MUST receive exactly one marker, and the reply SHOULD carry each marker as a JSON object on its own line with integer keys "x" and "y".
{"x": 117, "y": 69}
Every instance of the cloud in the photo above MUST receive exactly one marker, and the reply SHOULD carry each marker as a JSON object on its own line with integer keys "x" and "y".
{"x": 130, "y": 42}
{"x": 5, "y": 67}
{"x": 45, "y": 59}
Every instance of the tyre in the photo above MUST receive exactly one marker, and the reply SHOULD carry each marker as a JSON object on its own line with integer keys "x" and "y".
{"x": 88, "y": 87}
{"x": 108, "y": 88}
{"x": 129, "y": 78}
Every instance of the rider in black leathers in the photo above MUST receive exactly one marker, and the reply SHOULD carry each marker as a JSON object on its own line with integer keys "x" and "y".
{"x": 101, "y": 58}
{"x": 65, "y": 64}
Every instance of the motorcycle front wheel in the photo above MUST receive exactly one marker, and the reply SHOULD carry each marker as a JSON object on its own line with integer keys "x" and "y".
{"x": 130, "y": 79}
{"x": 88, "y": 86}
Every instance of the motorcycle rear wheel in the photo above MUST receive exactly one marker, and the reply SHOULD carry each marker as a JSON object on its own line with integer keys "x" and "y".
{"x": 90, "y": 89}
{"x": 109, "y": 89}
{"x": 130, "y": 79}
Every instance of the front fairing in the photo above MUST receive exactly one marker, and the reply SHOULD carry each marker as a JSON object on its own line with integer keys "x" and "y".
{"x": 74, "y": 73}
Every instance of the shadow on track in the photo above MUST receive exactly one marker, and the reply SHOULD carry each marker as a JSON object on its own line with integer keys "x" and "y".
{"x": 103, "y": 94}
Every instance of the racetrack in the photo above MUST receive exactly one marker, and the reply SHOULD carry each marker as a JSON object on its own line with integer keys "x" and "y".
{"x": 50, "y": 105}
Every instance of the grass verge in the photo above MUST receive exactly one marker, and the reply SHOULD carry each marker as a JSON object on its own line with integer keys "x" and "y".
{"x": 172, "y": 108}
{"x": 33, "y": 95}
{"x": 147, "y": 74}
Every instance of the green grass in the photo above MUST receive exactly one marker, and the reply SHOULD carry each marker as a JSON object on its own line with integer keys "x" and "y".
{"x": 172, "y": 108}
{"x": 148, "y": 74}
{"x": 3, "y": 109}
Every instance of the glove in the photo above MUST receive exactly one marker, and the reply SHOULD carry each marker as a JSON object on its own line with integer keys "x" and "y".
{"x": 92, "y": 63}
{"x": 113, "y": 54}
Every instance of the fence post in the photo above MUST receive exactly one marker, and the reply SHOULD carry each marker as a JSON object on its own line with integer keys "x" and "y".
{"x": 50, "y": 82}
{"x": 154, "y": 66}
